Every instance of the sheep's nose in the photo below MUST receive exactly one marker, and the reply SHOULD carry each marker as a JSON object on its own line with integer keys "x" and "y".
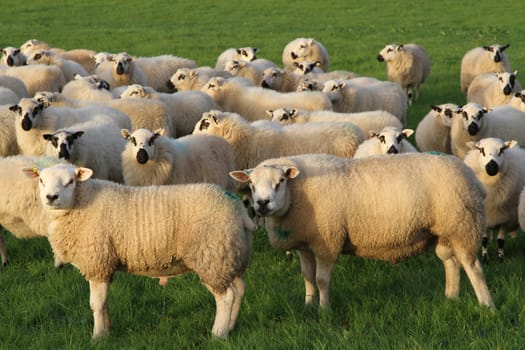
{"x": 497, "y": 57}
{"x": 380, "y": 58}
{"x": 142, "y": 156}
{"x": 392, "y": 150}
{"x": 170, "y": 85}
{"x": 52, "y": 197}
{"x": 264, "y": 84}
{"x": 492, "y": 168}
{"x": 10, "y": 61}
{"x": 26, "y": 124}
{"x": 120, "y": 69}
{"x": 262, "y": 206}
{"x": 473, "y": 129}
{"x": 507, "y": 90}
{"x": 63, "y": 153}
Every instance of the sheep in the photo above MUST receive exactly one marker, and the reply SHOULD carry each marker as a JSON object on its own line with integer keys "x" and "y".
{"x": 12, "y": 56}
{"x": 305, "y": 49}
{"x": 88, "y": 88}
{"x": 391, "y": 211}
{"x": 518, "y": 101}
{"x": 252, "y": 102}
{"x": 255, "y": 143}
{"x": 37, "y": 77}
{"x": 121, "y": 69}
{"x": 252, "y": 70}
{"x": 35, "y": 119}
{"x": 8, "y": 144}
{"x": 408, "y": 65}
{"x": 68, "y": 67}
{"x": 309, "y": 84}
{"x": 91, "y": 144}
{"x": 473, "y": 122}
{"x": 281, "y": 80}
{"x": 366, "y": 121}
{"x": 483, "y": 59}
{"x": 20, "y": 211}
{"x": 186, "y": 107}
{"x": 493, "y": 89}
{"x": 158, "y": 69}
{"x": 312, "y": 70}
{"x": 348, "y": 96}
{"x": 101, "y": 227}
{"x": 193, "y": 79}
{"x": 433, "y": 131}
{"x": 389, "y": 140}
{"x": 14, "y": 84}
{"x": 500, "y": 167}
{"x": 240, "y": 54}
{"x": 151, "y": 158}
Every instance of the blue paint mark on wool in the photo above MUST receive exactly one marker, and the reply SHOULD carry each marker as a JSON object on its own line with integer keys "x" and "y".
{"x": 282, "y": 233}
{"x": 232, "y": 196}
{"x": 435, "y": 153}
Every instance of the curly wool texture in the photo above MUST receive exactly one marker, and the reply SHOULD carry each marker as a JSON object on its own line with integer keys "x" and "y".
{"x": 478, "y": 61}
{"x": 189, "y": 159}
{"x": 37, "y": 77}
{"x": 254, "y": 143}
{"x": 252, "y": 102}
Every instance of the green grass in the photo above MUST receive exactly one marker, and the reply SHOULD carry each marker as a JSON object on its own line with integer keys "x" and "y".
{"x": 374, "y": 304}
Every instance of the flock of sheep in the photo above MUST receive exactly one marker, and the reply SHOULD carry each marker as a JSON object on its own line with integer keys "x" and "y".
{"x": 140, "y": 164}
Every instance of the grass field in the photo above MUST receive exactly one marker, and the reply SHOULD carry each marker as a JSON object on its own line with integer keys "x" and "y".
{"x": 374, "y": 305}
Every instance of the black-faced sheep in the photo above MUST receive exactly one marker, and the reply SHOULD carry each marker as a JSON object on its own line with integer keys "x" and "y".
{"x": 485, "y": 59}
{"x": 433, "y": 131}
{"x": 493, "y": 89}
{"x": 305, "y": 49}
{"x": 389, "y": 140}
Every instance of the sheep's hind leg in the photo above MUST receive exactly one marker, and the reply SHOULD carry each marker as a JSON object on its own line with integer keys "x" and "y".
{"x": 474, "y": 272}
{"x": 307, "y": 260}
{"x": 452, "y": 270}
{"x": 97, "y": 300}
{"x": 239, "y": 288}
{"x": 323, "y": 275}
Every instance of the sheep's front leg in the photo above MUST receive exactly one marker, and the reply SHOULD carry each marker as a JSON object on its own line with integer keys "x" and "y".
{"x": 97, "y": 301}
{"x": 323, "y": 276}
{"x": 308, "y": 270}
{"x": 452, "y": 270}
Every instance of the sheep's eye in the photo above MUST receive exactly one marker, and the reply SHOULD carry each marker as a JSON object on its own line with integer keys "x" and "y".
{"x": 276, "y": 187}
{"x": 133, "y": 93}
{"x": 400, "y": 138}
{"x": 465, "y": 115}
{"x": 274, "y": 74}
{"x": 182, "y": 77}
{"x": 482, "y": 151}
{"x": 133, "y": 141}
{"x": 501, "y": 151}
{"x": 150, "y": 142}
{"x": 382, "y": 138}
{"x": 389, "y": 49}
{"x": 211, "y": 86}
{"x": 448, "y": 113}
{"x": 334, "y": 87}
{"x": 41, "y": 181}
{"x": 37, "y": 56}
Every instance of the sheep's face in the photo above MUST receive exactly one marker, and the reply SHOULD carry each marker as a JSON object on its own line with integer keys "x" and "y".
{"x": 491, "y": 153}
{"x": 268, "y": 186}
{"x": 302, "y": 49}
{"x": 210, "y": 123}
{"x": 309, "y": 85}
{"x": 12, "y": 56}
{"x": 390, "y": 138}
{"x": 334, "y": 89}
{"x": 213, "y": 87}
{"x": 496, "y": 52}
{"x": 134, "y": 91}
{"x": 283, "y": 116}
{"x": 507, "y": 81}
{"x": 27, "y": 112}
{"x": 142, "y": 143}
{"x": 246, "y": 53}
{"x": 389, "y": 52}
{"x": 472, "y": 115}
{"x": 122, "y": 63}
{"x": 39, "y": 57}
{"x": 234, "y": 67}
{"x": 271, "y": 77}
{"x": 60, "y": 143}
{"x": 445, "y": 113}
{"x": 305, "y": 67}
{"x": 57, "y": 185}
{"x": 183, "y": 79}
{"x": 518, "y": 100}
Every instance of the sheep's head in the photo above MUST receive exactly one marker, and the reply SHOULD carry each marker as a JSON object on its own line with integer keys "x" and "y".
{"x": 209, "y": 123}
{"x": 213, "y": 86}
{"x": 283, "y": 116}
{"x": 60, "y": 143}
{"x": 472, "y": 115}
{"x": 33, "y": 44}
{"x": 246, "y": 53}
{"x": 27, "y": 110}
{"x": 310, "y": 85}
{"x": 182, "y": 79}
{"x": 305, "y": 67}
{"x": 302, "y": 49}
{"x": 142, "y": 143}
{"x": 234, "y": 67}
{"x": 518, "y": 100}
{"x": 507, "y": 81}
{"x": 101, "y": 57}
{"x": 389, "y": 52}
{"x": 496, "y": 51}
{"x": 491, "y": 153}
{"x": 268, "y": 186}
{"x": 135, "y": 91}
{"x": 390, "y": 138}
{"x": 12, "y": 56}
{"x": 57, "y": 185}
{"x": 334, "y": 89}
{"x": 39, "y": 57}
{"x": 445, "y": 112}
{"x": 122, "y": 63}
{"x": 271, "y": 77}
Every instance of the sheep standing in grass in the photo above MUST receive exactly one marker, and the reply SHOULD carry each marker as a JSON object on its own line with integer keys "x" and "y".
{"x": 483, "y": 59}
{"x": 349, "y": 96}
{"x": 12, "y": 56}
{"x": 69, "y": 68}
{"x": 389, "y": 140}
{"x": 391, "y": 211}
{"x": 408, "y": 65}
{"x": 239, "y": 54}
{"x": 150, "y": 158}
{"x": 366, "y": 121}
{"x": 500, "y": 167}
{"x": 433, "y": 131}
{"x": 157, "y": 231}
{"x": 121, "y": 69}
{"x": 253, "y": 143}
{"x": 305, "y": 49}
{"x": 252, "y": 102}
{"x": 473, "y": 122}
{"x": 493, "y": 89}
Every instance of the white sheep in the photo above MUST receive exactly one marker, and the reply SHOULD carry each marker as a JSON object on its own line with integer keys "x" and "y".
{"x": 240, "y": 54}
{"x": 12, "y": 56}
{"x": 349, "y": 96}
{"x": 252, "y": 70}
{"x": 389, "y": 140}
{"x": 37, "y": 77}
{"x": 121, "y": 69}
{"x": 408, "y": 65}
{"x": 281, "y": 80}
{"x": 518, "y": 101}
{"x": 69, "y": 68}
{"x": 473, "y": 122}
{"x": 193, "y": 78}
{"x": 312, "y": 71}
{"x": 253, "y": 143}
{"x": 8, "y": 144}
{"x": 305, "y": 49}
{"x": 158, "y": 69}
{"x": 92, "y": 144}
{"x": 366, "y": 121}
{"x": 493, "y": 89}
{"x": 252, "y": 102}
{"x": 150, "y": 158}
{"x": 308, "y": 84}
{"x": 390, "y": 211}
{"x": 500, "y": 167}
{"x": 87, "y": 88}
{"x": 186, "y": 107}
{"x": 433, "y": 131}
{"x": 483, "y": 59}
{"x": 8, "y": 96}
{"x": 158, "y": 231}
{"x": 14, "y": 84}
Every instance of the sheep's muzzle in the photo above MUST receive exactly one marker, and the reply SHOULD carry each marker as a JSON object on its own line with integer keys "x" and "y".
{"x": 142, "y": 156}
{"x": 492, "y": 168}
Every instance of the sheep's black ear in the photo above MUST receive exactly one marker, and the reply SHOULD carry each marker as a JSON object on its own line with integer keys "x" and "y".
{"x": 47, "y": 137}
{"x": 488, "y": 48}
{"x": 293, "y": 112}
{"x": 436, "y": 108}
{"x": 125, "y": 133}
{"x": 15, "y": 108}
{"x": 77, "y": 134}
{"x": 504, "y": 47}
